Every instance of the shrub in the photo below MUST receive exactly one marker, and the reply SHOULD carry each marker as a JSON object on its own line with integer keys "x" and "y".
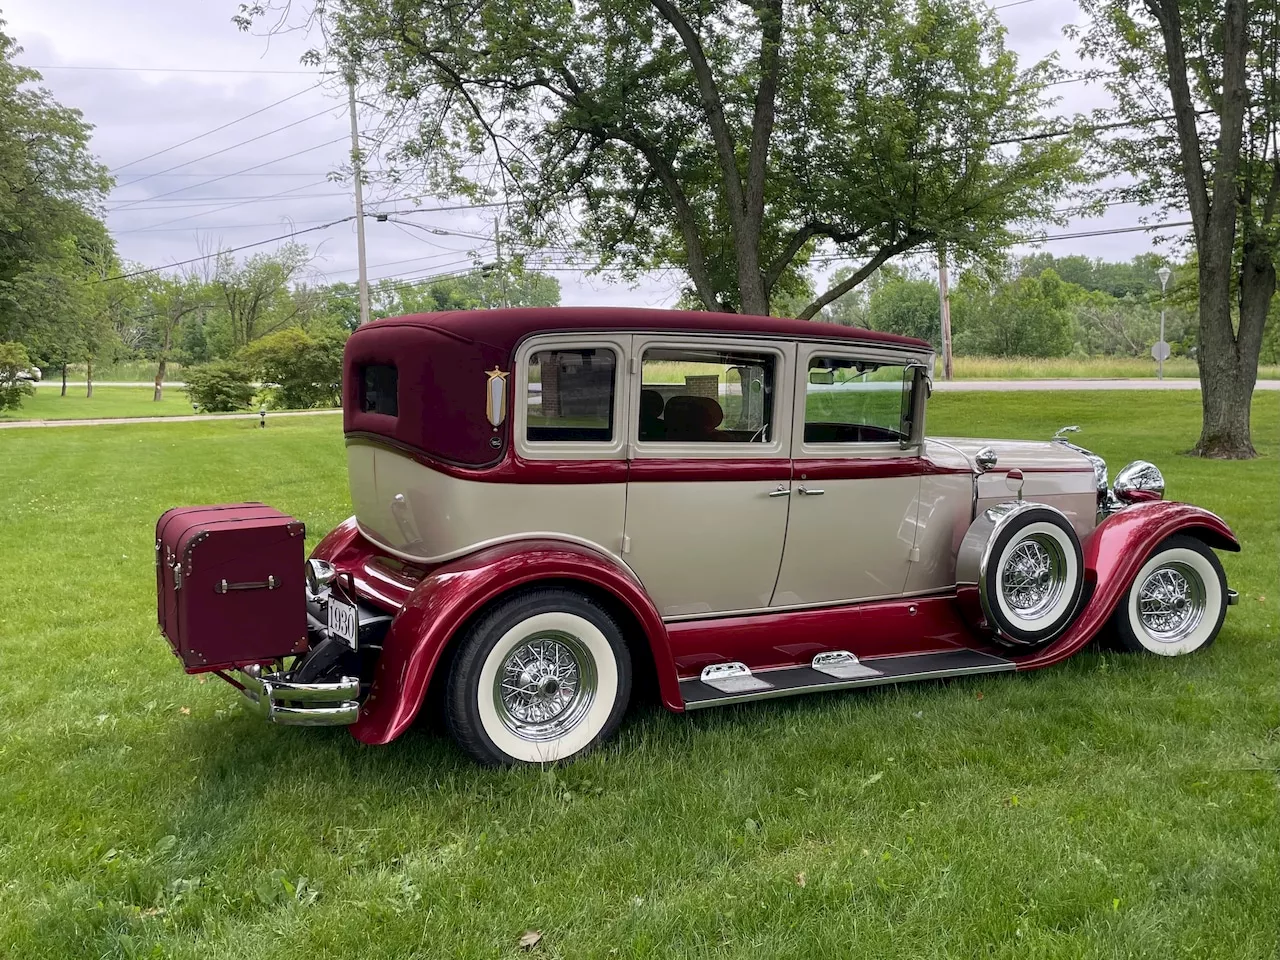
{"x": 305, "y": 371}
{"x": 13, "y": 361}
{"x": 220, "y": 386}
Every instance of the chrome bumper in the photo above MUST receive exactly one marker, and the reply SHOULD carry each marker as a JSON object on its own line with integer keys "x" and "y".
{"x": 282, "y": 701}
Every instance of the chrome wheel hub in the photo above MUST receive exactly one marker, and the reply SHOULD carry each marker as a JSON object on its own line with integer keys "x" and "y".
{"x": 1171, "y": 602}
{"x": 1032, "y": 577}
{"x": 545, "y": 686}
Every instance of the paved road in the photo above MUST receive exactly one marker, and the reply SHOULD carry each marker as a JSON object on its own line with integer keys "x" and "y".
{"x": 1137, "y": 383}
{"x": 108, "y": 421}
{"x": 959, "y": 386}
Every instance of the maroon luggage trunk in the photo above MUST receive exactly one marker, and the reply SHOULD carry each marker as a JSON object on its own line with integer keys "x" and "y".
{"x": 230, "y": 584}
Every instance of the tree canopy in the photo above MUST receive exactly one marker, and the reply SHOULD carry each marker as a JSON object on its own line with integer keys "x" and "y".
{"x": 722, "y": 139}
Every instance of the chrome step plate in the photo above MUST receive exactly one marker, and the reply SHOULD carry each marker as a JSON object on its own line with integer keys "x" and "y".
{"x": 842, "y": 665}
{"x": 734, "y": 683}
{"x": 733, "y": 679}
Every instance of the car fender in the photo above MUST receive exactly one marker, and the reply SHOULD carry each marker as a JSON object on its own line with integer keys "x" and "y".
{"x": 452, "y": 593}
{"x": 1114, "y": 553}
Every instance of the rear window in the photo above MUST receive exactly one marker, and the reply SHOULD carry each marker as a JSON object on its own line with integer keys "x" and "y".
{"x": 378, "y": 390}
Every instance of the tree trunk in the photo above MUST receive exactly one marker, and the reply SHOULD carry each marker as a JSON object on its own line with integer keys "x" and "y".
{"x": 1227, "y": 372}
{"x": 164, "y": 360}
{"x": 64, "y": 379}
{"x": 88, "y": 377}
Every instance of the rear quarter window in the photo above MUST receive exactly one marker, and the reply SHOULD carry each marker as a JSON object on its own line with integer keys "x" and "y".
{"x": 379, "y": 389}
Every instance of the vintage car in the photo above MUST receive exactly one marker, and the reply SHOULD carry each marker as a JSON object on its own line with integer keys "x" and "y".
{"x": 554, "y": 505}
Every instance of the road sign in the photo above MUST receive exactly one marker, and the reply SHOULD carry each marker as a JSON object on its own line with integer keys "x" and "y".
{"x": 1160, "y": 350}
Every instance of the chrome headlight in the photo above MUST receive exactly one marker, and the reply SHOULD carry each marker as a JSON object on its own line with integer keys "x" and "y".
{"x": 1139, "y": 482}
{"x": 320, "y": 573}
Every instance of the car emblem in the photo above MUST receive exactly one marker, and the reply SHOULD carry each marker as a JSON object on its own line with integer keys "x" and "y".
{"x": 495, "y": 407}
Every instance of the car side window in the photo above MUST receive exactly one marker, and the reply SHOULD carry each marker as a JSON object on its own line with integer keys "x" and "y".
{"x": 857, "y": 401}
{"x": 571, "y": 395}
{"x": 706, "y": 395}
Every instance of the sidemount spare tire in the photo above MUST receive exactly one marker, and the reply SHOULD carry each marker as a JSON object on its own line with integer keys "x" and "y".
{"x": 1020, "y": 573}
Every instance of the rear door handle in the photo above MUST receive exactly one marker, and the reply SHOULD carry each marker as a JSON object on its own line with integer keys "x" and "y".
{"x": 782, "y": 491}
{"x": 811, "y": 491}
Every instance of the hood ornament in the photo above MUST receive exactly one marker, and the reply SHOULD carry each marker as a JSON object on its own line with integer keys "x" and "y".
{"x": 1061, "y": 433}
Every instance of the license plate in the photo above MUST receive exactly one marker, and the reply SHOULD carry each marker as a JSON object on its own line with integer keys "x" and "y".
{"x": 343, "y": 622}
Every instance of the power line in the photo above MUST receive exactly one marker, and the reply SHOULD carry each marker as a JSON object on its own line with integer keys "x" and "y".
{"x": 261, "y": 136}
{"x": 220, "y": 226}
{"x": 256, "y": 166}
{"x": 229, "y": 206}
{"x": 243, "y": 246}
{"x": 1107, "y": 232}
{"x": 78, "y": 66}
{"x": 180, "y": 203}
{"x": 230, "y": 123}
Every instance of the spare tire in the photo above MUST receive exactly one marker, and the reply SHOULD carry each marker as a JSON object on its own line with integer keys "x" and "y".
{"x": 1020, "y": 573}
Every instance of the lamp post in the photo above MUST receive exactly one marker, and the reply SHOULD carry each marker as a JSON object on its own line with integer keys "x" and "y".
{"x": 1162, "y": 348}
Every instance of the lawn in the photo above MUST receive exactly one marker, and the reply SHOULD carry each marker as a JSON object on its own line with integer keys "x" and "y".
{"x": 1114, "y": 806}
{"x": 49, "y": 404}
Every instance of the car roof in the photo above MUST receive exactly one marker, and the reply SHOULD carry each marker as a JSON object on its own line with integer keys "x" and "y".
{"x": 504, "y": 328}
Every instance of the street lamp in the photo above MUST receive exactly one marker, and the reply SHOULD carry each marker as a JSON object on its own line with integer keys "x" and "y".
{"x": 1161, "y": 349}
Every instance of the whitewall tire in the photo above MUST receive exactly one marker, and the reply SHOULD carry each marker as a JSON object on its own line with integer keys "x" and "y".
{"x": 542, "y": 677}
{"x": 1176, "y": 603}
{"x": 1033, "y": 577}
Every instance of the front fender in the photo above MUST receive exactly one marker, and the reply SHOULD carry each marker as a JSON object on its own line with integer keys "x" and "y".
{"x": 452, "y": 593}
{"x": 1113, "y": 555}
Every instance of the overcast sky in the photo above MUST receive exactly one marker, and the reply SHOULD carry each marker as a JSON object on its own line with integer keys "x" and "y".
{"x": 179, "y": 69}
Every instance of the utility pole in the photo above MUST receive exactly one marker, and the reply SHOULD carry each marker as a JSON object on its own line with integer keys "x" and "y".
{"x": 944, "y": 305}
{"x": 1161, "y": 349}
{"x": 357, "y": 168}
{"x": 502, "y": 272}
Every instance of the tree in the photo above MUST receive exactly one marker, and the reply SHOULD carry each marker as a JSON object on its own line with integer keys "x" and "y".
{"x": 725, "y": 140}
{"x": 907, "y": 306}
{"x": 1025, "y": 317}
{"x": 171, "y": 300}
{"x": 50, "y": 190}
{"x": 13, "y": 387}
{"x": 306, "y": 370}
{"x": 1199, "y": 84}
{"x": 255, "y": 295}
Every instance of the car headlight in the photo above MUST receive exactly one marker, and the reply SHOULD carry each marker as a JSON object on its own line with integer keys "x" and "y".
{"x": 1139, "y": 482}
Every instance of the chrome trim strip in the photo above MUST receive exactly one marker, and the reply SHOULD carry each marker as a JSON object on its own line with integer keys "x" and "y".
{"x": 492, "y": 542}
{"x": 849, "y": 684}
{"x": 944, "y": 594}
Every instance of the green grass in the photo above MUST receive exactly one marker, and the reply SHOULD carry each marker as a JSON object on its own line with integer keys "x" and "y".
{"x": 1071, "y": 368}
{"x": 1113, "y": 806}
{"x": 49, "y": 404}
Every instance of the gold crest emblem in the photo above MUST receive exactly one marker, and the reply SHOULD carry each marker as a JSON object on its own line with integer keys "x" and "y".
{"x": 495, "y": 405}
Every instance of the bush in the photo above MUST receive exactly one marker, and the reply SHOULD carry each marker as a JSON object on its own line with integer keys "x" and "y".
{"x": 305, "y": 371}
{"x": 221, "y": 386}
{"x": 13, "y": 361}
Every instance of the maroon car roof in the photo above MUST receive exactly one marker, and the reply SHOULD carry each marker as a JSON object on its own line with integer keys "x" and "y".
{"x": 504, "y": 328}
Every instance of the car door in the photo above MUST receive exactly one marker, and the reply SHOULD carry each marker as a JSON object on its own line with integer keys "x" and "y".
{"x": 856, "y": 474}
{"x": 708, "y": 486}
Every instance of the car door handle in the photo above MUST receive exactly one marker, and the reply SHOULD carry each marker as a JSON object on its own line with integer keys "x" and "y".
{"x": 811, "y": 491}
{"x": 781, "y": 491}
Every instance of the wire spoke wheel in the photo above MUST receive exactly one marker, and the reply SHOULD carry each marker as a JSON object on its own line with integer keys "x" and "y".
{"x": 1171, "y": 602}
{"x": 1033, "y": 575}
{"x": 545, "y": 686}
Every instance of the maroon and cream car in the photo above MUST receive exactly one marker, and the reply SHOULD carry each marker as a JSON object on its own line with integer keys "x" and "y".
{"x": 552, "y": 505}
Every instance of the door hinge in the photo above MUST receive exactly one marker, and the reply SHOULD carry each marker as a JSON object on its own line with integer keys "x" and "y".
{"x": 914, "y": 555}
{"x": 635, "y": 364}
{"x": 626, "y": 544}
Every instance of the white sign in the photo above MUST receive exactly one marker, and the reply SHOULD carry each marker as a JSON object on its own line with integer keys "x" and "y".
{"x": 1160, "y": 350}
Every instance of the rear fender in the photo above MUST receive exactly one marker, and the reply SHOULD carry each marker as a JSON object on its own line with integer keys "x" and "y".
{"x": 1113, "y": 555}
{"x": 451, "y": 594}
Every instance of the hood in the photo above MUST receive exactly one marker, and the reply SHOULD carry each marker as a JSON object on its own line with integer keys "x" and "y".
{"x": 1035, "y": 455}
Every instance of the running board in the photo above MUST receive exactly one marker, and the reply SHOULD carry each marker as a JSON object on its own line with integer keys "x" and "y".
{"x": 838, "y": 670}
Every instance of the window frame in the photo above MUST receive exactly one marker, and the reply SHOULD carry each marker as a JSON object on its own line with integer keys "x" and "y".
{"x": 877, "y": 449}
{"x": 782, "y": 353}
{"x": 612, "y": 449}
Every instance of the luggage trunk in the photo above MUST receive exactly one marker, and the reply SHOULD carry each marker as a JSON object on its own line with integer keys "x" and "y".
{"x": 230, "y": 587}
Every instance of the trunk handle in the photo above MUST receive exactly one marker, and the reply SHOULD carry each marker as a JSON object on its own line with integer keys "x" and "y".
{"x": 222, "y": 586}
